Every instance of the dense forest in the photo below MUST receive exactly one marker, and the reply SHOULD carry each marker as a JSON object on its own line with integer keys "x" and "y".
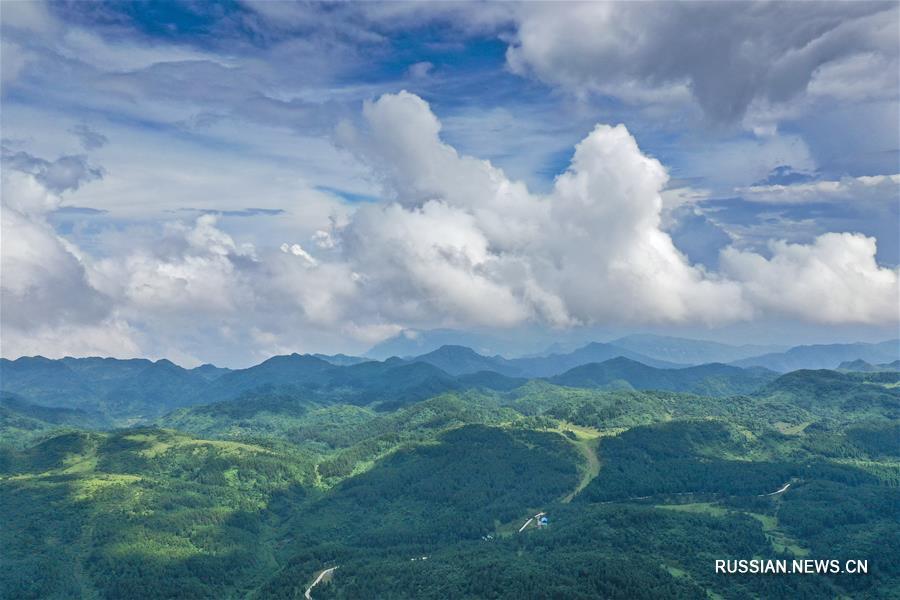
{"x": 148, "y": 480}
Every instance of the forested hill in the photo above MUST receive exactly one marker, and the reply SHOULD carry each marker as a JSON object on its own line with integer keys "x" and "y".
{"x": 140, "y": 390}
{"x": 712, "y": 380}
{"x": 252, "y": 497}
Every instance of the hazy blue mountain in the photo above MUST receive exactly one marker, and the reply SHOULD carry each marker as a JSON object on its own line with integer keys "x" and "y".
{"x": 13, "y": 404}
{"x": 367, "y": 383}
{"x": 116, "y": 388}
{"x": 45, "y": 381}
{"x": 209, "y": 371}
{"x": 688, "y": 351}
{"x": 823, "y": 388}
{"x": 459, "y": 360}
{"x": 714, "y": 379}
{"x": 825, "y": 356}
{"x": 409, "y": 343}
{"x": 342, "y": 360}
{"x": 286, "y": 370}
{"x": 97, "y": 369}
{"x": 153, "y": 391}
{"x": 867, "y": 367}
{"x": 555, "y": 364}
{"x": 490, "y": 380}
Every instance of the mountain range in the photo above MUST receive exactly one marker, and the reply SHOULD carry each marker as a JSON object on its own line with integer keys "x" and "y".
{"x": 422, "y": 477}
{"x": 140, "y": 390}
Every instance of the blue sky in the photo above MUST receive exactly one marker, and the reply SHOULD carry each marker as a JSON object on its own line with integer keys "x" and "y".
{"x": 225, "y": 181}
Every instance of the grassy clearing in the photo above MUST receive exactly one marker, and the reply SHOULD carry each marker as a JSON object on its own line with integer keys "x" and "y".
{"x": 86, "y": 488}
{"x": 160, "y": 444}
{"x": 788, "y": 429}
{"x": 696, "y": 507}
{"x": 589, "y": 469}
{"x": 781, "y": 542}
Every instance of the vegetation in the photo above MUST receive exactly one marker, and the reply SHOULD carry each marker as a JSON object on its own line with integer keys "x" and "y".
{"x": 416, "y": 483}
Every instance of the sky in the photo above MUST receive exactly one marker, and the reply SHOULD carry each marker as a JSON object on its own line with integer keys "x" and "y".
{"x": 225, "y": 181}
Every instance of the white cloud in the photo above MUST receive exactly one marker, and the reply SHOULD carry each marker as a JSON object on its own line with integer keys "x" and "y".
{"x": 869, "y": 188}
{"x": 648, "y": 52}
{"x": 47, "y": 302}
{"x": 420, "y": 70}
{"x": 458, "y": 244}
{"x": 833, "y": 280}
{"x": 297, "y": 250}
{"x": 591, "y": 250}
{"x": 110, "y": 337}
{"x": 323, "y": 239}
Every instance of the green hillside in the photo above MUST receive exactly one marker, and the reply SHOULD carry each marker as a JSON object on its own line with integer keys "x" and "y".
{"x": 416, "y": 483}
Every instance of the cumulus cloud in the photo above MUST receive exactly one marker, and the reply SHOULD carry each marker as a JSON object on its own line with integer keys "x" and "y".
{"x": 833, "y": 280}
{"x": 456, "y": 243}
{"x": 749, "y": 52}
{"x": 591, "y": 251}
{"x": 45, "y": 288}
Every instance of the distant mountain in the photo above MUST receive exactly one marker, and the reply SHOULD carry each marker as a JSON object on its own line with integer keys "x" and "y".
{"x": 10, "y": 403}
{"x": 459, "y": 360}
{"x": 155, "y": 390}
{"x": 396, "y": 381}
{"x": 824, "y": 356}
{"x": 866, "y": 367}
{"x": 688, "y": 351}
{"x": 825, "y": 389}
{"x": 117, "y": 388}
{"x": 554, "y": 364}
{"x": 209, "y": 372}
{"x": 411, "y": 343}
{"x": 342, "y": 360}
{"x": 287, "y": 370}
{"x": 714, "y": 379}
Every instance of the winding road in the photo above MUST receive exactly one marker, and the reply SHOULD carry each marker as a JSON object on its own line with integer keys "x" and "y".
{"x": 530, "y": 519}
{"x": 783, "y": 489}
{"x": 322, "y": 575}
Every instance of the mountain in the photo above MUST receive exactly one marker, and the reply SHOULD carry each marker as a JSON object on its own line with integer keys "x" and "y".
{"x": 554, "y": 364}
{"x": 460, "y": 360}
{"x": 155, "y": 390}
{"x": 45, "y": 381}
{"x": 689, "y": 351}
{"x": 412, "y": 343}
{"x": 395, "y": 381}
{"x": 285, "y": 370}
{"x": 823, "y": 389}
{"x": 22, "y": 422}
{"x": 827, "y": 356}
{"x": 119, "y": 389}
{"x": 415, "y": 492}
{"x": 341, "y": 360}
{"x": 209, "y": 372}
{"x": 866, "y": 367}
{"x": 714, "y": 379}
